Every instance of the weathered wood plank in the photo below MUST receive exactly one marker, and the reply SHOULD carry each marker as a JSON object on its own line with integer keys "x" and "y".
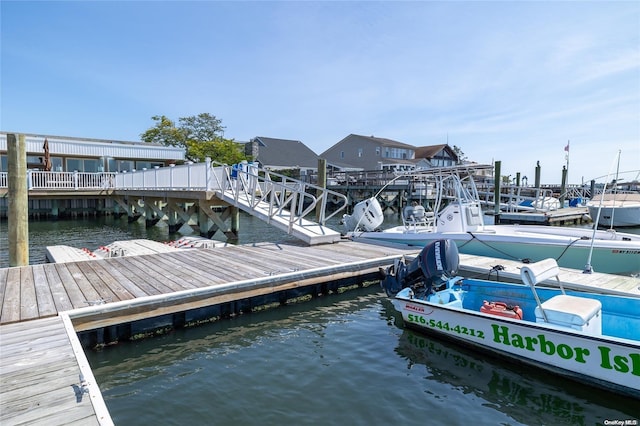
{"x": 105, "y": 268}
{"x": 31, "y": 334}
{"x": 90, "y": 294}
{"x": 118, "y": 290}
{"x": 104, "y": 292}
{"x": 218, "y": 266}
{"x": 137, "y": 275}
{"x": 198, "y": 265}
{"x": 164, "y": 282}
{"x": 76, "y": 296}
{"x": 39, "y": 376}
{"x": 59, "y": 294}
{"x": 46, "y": 305}
{"x": 11, "y": 303}
{"x": 172, "y": 274}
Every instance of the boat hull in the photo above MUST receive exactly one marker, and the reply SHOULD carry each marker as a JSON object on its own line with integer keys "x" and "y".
{"x": 608, "y": 362}
{"x": 616, "y": 216}
{"x": 614, "y": 257}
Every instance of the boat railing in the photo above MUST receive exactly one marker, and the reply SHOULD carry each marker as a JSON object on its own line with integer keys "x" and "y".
{"x": 515, "y": 198}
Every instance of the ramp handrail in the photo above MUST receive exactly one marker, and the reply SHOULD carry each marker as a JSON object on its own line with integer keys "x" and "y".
{"x": 280, "y": 195}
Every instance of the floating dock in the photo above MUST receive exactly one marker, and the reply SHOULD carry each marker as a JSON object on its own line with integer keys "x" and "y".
{"x": 44, "y": 374}
{"x": 560, "y": 217}
{"x": 50, "y": 311}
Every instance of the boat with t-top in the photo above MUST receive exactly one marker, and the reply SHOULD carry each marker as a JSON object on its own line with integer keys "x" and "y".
{"x": 456, "y": 214}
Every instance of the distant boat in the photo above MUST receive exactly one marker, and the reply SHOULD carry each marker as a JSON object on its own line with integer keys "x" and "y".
{"x": 462, "y": 221}
{"x": 616, "y": 209}
{"x": 589, "y": 337}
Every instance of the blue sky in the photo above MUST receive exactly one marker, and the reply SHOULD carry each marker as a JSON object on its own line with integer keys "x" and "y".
{"x": 508, "y": 81}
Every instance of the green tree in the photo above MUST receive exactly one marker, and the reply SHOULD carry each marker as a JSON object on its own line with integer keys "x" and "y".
{"x": 201, "y": 136}
{"x": 461, "y": 157}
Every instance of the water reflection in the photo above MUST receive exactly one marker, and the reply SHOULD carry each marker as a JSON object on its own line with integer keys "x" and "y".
{"x": 343, "y": 359}
{"x": 524, "y": 394}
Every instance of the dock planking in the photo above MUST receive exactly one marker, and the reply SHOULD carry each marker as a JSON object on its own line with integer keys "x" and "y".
{"x": 38, "y": 291}
{"x": 45, "y": 377}
{"x": 41, "y": 354}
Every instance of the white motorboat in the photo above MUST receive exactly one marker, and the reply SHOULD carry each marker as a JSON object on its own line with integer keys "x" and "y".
{"x": 615, "y": 209}
{"x": 588, "y": 337}
{"x": 462, "y": 220}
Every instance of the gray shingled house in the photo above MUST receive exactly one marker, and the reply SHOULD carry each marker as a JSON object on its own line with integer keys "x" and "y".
{"x": 283, "y": 154}
{"x": 370, "y": 153}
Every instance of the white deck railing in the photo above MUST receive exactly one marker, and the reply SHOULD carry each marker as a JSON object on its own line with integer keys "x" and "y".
{"x": 245, "y": 184}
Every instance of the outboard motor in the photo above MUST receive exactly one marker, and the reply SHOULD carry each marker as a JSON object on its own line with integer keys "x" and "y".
{"x": 435, "y": 264}
{"x": 367, "y": 216}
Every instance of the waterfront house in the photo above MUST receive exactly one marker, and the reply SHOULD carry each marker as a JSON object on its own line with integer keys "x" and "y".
{"x": 431, "y": 156}
{"x": 283, "y": 154}
{"x": 370, "y": 153}
{"x": 70, "y": 154}
{"x": 84, "y": 155}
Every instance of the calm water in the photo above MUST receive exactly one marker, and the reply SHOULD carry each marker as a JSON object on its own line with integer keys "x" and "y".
{"x": 337, "y": 360}
{"x": 340, "y": 360}
{"x": 95, "y": 232}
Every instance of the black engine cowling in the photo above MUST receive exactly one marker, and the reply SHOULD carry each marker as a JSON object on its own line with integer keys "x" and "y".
{"x": 436, "y": 263}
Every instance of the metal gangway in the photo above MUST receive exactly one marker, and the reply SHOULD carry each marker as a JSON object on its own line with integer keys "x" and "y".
{"x": 288, "y": 204}
{"x": 298, "y": 208}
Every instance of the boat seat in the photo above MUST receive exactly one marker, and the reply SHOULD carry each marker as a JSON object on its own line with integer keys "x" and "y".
{"x": 578, "y": 313}
{"x": 540, "y": 271}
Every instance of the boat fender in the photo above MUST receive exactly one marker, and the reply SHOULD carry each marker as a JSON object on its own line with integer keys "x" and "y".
{"x": 501, "y": 309}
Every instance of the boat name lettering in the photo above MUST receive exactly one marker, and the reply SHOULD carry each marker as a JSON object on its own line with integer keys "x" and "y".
{"x": 459, "y": 329}
{"x": 414, "y": 308}
{"x": 618, "y": 362}
{"x": 540, "y": 343}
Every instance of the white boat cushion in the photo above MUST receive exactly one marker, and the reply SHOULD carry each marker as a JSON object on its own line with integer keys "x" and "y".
{"x": 570, "y": 309}
{"x": 535, "y": 273}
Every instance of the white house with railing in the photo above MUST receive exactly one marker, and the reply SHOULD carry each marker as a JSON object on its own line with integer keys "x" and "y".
{"x": 69, "y": 154}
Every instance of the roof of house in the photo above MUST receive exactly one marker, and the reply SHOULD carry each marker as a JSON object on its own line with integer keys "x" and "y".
{"x": 430, "y": 151}
{"x": 285, "y": 152}
{"x": 382, "y": 141}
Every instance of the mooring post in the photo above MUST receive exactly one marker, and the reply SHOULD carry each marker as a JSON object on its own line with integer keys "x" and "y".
{"x": 235, "y": 221}
{"x": 496, "y": 191}
{"x": 563, "y": 186}
{"x": 18, "y": 212}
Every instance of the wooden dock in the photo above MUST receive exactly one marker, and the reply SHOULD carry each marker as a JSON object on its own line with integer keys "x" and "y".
{"x": 561, "y": 217}
{"x": 509, "y": 270}
{"x": 45, "y": 377}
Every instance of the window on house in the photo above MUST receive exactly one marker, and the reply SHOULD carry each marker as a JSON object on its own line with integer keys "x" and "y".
{"x": 120, "y": 165}
{"x": 341, "y": 154}
{"x": 56, "y": 164}
{"x": 359, "y": 152}
{"x": 378, "y": 151}
{"x": 90, "y": 166}
{"x": 74, "y": 165}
